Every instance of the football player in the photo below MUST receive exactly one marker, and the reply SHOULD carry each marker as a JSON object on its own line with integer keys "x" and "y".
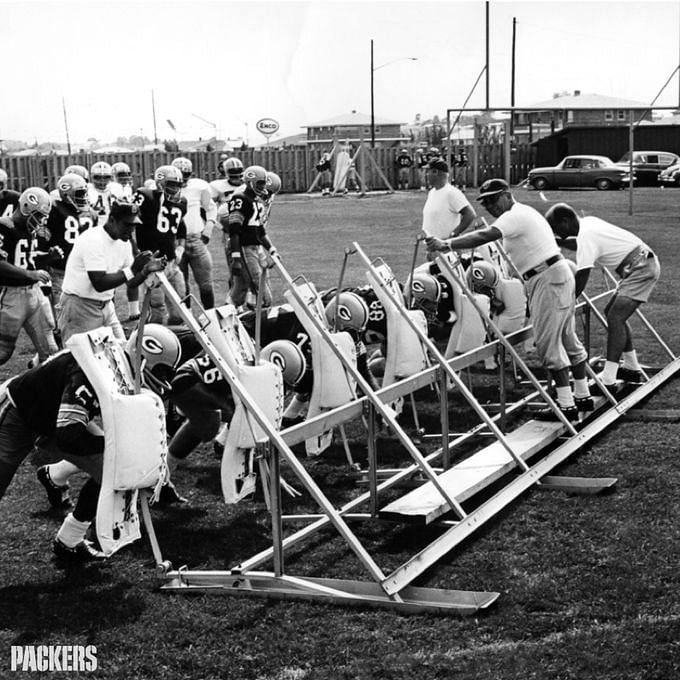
{"x": 246, "y": 228}
{"x": 403, "y": 162}
{"x": 163, "y": 230}
{"x": 99, "y": 192}
{"x": 200, "y": 220}
{"x": 21, "y": 300}
{"x": 9, "y": 199}
{"x": 56, "y": 403}
{"x": 121, "y": 184}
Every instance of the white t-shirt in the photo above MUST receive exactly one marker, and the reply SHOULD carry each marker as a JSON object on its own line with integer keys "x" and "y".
{"x": 441, "y": 212}
{"x": 198, "y": 195}
{"x": 95, "y": 251}
{"x": 527, "y": 237}
{"x": 601, "y": 244}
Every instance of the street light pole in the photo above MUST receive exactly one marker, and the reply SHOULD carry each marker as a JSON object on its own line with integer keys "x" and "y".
{"x": 373, "y": 70}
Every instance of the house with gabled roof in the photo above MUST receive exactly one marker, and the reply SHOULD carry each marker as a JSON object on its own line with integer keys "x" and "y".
{"x": 354, "y": 127}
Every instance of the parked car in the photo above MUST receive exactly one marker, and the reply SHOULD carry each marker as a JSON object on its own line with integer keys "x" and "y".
{"x": 670, "y": 176}
{"x": 581, "y": 171}
{"x": 647, "y": 165}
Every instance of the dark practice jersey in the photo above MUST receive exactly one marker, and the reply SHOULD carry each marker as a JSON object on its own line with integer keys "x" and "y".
{"x": 404, "y": 160}
{"x": 246, "y": 218}
{"x": 9, "y": 200}
{"x": 16, "y": 246}
{"x": 54, "y": 394}
{"x": 162, "y": 222}
{"x": 64, "y": 225}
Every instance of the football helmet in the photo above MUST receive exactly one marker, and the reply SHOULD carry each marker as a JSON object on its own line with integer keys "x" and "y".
{"x": 185, "y": 167}
{"x": 169, "y": 180}
{"x": 161, "y": 353}
{"x": 121, "y": 173}
{"x": 220, "y": 166}
{"x": 482, "y": 275}
{"x": 3, "y": 179}
{"x": 78, "y": 170}
{"x": 352, "y": 314}
{"x": 434, "y": 151}
{"x": 73, "y": 189}
{"x": 255, "y": 177}
{"x": 233, "y": 167}
{"x": 273, "y": 183}
{"x": 425, "y": 288}
{"x": 35, "y": 205}
{"x": 288, "y": 357}
{"x": 101, "y": 175}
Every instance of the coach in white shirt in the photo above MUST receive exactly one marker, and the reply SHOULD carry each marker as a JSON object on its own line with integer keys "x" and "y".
{"x": 102, "y": 260}
{"x": 446, "y": 212}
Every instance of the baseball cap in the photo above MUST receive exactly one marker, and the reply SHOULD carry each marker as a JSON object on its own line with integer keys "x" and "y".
{"x": 492, "y": 187}
{"x": 122, "y": 209}
{"x": 438, "y": 164}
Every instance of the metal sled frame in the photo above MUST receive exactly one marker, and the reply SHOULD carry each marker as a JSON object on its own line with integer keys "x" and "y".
{"x": 392, "y": 590}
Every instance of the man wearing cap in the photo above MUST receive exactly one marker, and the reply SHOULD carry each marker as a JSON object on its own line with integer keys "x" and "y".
{"x": 446, "y": 212}
{"x": 531, "y": 246}
{"x": 102, "y": 260}
{"x": 601, "y": 244}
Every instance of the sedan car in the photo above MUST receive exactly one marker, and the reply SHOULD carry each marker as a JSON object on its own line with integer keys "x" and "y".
{"x": 581, "y": 171}
{"x": 670, "y": 176}
{"x": 647, "y": 165}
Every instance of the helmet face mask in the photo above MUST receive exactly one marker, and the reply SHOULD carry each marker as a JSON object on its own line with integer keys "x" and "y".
{"x": 255, "y": 177}
{"x": 35, "y": 205}
{"x": 73, "y": 189}
{"x": 121, "y": 173}
{"x": 169, "y": 180}
{"x": 101, "y": 174}
{"x": 233, "y": 168}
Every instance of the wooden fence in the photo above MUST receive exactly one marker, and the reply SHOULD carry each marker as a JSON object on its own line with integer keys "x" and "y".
{"x": 295, "y": 165}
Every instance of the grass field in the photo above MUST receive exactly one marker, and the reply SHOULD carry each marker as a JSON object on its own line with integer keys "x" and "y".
{"x": 589, "y": 585}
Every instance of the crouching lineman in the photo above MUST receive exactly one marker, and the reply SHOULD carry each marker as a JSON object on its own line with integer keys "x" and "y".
{"x": 56, "y": 403}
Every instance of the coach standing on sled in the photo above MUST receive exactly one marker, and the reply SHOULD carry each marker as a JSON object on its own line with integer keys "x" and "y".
{"x": 549, "y": 282}
{"x": 601, "y": 244}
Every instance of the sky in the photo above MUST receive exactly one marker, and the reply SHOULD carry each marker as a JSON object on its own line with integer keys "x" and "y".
{"x": 217, "y": 67}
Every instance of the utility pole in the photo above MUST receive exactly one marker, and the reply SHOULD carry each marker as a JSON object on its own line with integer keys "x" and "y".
{"x": 487, "y": 55}
{"x": 512, "y": 77}
{"x": 153, "y": 111}
{"x": 372, "y": 102}
{"x": 68, "y": 139}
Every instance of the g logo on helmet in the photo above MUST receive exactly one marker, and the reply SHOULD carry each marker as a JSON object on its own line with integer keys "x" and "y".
{"x": 417, "y": 287}
{"x": 32, "y": 198}
{"x": 344, "y": 312}
{"x": 478, "y": 273}
{"x": 152, "y": 345}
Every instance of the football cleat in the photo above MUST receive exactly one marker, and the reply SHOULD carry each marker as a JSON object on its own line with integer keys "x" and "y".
{"x": 630, "y": 375}
{"x": 584, "y": 403}
{"x": 547, "y": 414}
{"x": 81, "y": 553}
{"x": 169, "y": 496}
{"x": 58, "y": 496}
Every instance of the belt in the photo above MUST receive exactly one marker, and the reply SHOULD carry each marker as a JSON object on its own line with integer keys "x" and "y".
{"x": 541, "y": 267}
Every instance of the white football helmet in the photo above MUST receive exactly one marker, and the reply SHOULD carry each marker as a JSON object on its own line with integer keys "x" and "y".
{"x": 73, "y": 189}
{"x": 121, "y": 173}
{"x": 161, "y": 353}
{"x": 169, "y": 180}
{"x": 233, "y": 168}
{"x": 352, "y": 312}
{"x": 3, "y": 179}
{"x": 288, "y": 357}
{"x": 78, "y": 170}
{"x": 101, "y": 175}
{"x": 425, "y": 288}
{"x": 185, "y": 166}
{"x": 255, "y": 177}
{"x": 35, "y": 205}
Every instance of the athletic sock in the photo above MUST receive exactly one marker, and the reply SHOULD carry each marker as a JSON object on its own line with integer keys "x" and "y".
{"x": 630, "y": 360}
{"x": 133, "y": 307}
{"x": 581, "y": 389}
{"x": 61, "y": 472}
{"x": 72, "y": 532}
{"x": 565, "y": 398}
{"x": 608, "y": 375}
